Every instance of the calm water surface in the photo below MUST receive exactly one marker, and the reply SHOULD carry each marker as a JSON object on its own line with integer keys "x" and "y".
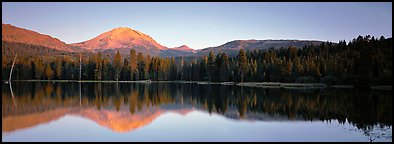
{"x": 35, "y": 111}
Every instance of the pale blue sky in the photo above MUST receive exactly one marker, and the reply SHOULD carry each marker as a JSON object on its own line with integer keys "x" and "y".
{"x": 201, "y": 25}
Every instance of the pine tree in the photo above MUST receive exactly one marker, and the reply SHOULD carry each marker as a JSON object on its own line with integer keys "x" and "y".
{"x": 98, "y": 72}
{"x": 117, "y": 65}
{"x": 133, "y": 64}
{"x": 59, "y": 70}
{"x": 218, "y": 65}
{"x": 48, "y": 72}
{"x": 147, "y": 62}
{"x": 125, "y": 74}
{"x": 39, "y": 69}
{"x": 107, "y": 68}
{"x": 203, "y": 69}
{"x": 224, "y": 69}
{"x": 173, "y": 69}
{"x": 211, "y": 66}
{"x": 242, "y": 64}
{"x": 141, "y": 66}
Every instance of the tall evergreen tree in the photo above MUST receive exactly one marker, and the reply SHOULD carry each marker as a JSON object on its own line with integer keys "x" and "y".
{"x": 48, "y": 72}
{"x": 98, "y": 71}
{"x": 39, "y": 69}
{"x": 59, "y": 69}
{"x": 242, "y": 64}
{"x": 224, "y": 69}
{"x": 211, "y": 66}
{"x": 117, "y": 65}
{"x": 141, "y": 66}
{"x": 133, "y": 64}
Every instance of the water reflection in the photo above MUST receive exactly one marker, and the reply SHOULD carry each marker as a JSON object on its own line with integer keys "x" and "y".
{"x": 125, "y": 107}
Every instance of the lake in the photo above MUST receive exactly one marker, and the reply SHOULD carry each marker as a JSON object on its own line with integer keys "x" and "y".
{"x": 47, "y": 111}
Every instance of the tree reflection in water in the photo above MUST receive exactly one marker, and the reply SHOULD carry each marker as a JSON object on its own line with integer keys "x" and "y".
{"x": 369, "y": 111}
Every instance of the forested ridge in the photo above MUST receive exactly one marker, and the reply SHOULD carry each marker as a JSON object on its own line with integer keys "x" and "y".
{"x": 364, "y": 61}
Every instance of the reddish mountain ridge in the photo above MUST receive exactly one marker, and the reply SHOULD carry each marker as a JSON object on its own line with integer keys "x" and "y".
{"x": 124, "y": 39}
{"x": 117, "y": 121}
{"x": 11, "y": 33}
{"x": 121, "y": 37}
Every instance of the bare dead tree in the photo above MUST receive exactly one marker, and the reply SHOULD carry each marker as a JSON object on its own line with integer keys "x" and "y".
{"x": 80, "y": 67}
{"x": 12, "y": 68}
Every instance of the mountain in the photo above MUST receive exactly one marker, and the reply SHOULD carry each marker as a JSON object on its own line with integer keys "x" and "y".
{"x": 117, "y": 121}
{"x": 28, "y": 120}
{"x": 122, "y": 120}
{"x": 178, "y": 51}
{"x": 183, "y": 48}
{"x": 122, "y": 38}
{"x": 14, "y": 34}
{"x": 233, "y": 47}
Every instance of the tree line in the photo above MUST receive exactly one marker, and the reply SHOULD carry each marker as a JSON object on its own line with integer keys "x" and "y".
{"x": 364, "y": 61}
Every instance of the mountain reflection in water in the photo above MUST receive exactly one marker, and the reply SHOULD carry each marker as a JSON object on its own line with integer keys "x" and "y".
{"x": 125, "y": 107}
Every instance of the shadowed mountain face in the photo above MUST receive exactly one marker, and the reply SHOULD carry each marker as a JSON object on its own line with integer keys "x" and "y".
{"x": 178, "y": 51}
{"x": 127, "y": 107}
{"x": 14, "y": 34}
{"x": 233, "y": 47}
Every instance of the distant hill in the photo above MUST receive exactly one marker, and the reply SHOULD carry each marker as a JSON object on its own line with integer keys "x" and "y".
{"x": 178, "y": 51}
{"x": 233, "y": 47}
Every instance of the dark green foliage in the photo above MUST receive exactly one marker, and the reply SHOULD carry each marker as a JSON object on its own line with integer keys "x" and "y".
{"x": 117, "y": 63}
{"x": 330, "y": 80}
{"x": 362, "y": 62}
{"x": 242, "y": 64}
{"x": 211, "y": 66}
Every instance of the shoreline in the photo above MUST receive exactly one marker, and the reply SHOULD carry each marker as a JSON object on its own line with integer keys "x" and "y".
{"x": 248, "y": 84}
